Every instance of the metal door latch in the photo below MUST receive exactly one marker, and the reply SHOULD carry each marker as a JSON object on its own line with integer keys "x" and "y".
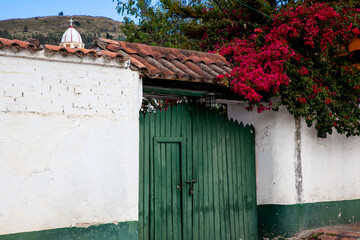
{"x": 191, "y": 188}
{"x": 180, "y": 186}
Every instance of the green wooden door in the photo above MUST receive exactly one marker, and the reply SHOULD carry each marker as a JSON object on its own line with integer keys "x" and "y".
{"x": 197, "y": 176}
{"x": 166, "y": 190}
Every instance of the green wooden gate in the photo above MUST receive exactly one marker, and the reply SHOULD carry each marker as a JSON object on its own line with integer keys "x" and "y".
{"x": 197, "y": 176}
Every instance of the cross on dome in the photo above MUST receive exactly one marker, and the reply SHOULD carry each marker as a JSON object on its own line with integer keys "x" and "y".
{"x": 71, "y": 38}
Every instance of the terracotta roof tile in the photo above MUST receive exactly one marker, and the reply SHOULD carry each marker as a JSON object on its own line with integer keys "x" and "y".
{"x": 169, "y": 63}
{"x": 17, "y": 44}
{"x": 153, "y": 62}
{"x": 31, "y": 44}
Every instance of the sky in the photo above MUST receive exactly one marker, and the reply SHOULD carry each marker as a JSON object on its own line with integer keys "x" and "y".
{"x": 40, "y": 8}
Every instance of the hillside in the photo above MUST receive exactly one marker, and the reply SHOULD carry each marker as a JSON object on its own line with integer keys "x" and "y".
{"x": 50, "y": 29}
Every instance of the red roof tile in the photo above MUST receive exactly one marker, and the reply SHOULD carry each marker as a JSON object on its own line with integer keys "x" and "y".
{"x": 153, "y": 62}
{"x": 17, "y": 44}
{"x": 30, "y": 44}
{"x": 169, "y": 63}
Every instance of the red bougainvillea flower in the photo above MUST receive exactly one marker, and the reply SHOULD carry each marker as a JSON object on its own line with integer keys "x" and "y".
{"x": 302, "y": 58}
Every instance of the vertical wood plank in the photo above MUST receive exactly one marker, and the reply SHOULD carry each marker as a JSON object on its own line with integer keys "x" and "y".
{"x": 253, "y": 185}
{"x": 207, "y": 220}
{"x": 203, "y": 203}
{"x": 183, "y": 132}
{"x": 146, "y": 174}
{"x": 176, "y": 178}
{"x": 239, "y": 170}
{"x": 163, "y": 184}
{"x": 231, "y": 183}
{"x": 216, "y": 182}
{"x": 244, "y": 178}
{"x": 225, "y": 174}
{"x": 157, "y": 190}
{"x": 169, "y": 185}
{"x": 157, "y": 180}
{"x": 152, "y": 132}
{"x": 219, "y": 174}
{"x": 141, "y": 177}
{"x": 189, "y": 173}
{"x": 249, "y": 183}
{"x": 212, "y": 205}
{"x": 195, "y": 174}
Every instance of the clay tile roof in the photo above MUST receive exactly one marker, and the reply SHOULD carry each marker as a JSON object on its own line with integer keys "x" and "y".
{"x": 34, "y": 45}
{"x": 84, "y": 52}
{"x": 169, "y": 63}
{"x": 16, "y": 44}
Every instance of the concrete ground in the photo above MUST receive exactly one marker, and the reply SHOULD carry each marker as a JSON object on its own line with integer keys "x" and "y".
{"x": 341, "y": 232}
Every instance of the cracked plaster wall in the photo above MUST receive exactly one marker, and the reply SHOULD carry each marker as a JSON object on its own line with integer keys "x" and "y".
{"x": 68, "y": 143}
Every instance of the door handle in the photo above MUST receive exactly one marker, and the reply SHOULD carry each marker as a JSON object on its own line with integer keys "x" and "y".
{"x": 180, "y": 186}
{"x": 191, "y": 188}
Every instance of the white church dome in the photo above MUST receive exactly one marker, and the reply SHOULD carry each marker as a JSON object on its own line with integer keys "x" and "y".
{"x": 71, "y": 35}
{"x": 71, "y": 38}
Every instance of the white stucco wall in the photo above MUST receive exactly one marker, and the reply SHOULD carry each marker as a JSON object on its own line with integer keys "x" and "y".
{"x": 330, "y": 167}
{"x": 68, "y": 141}
{"x": 274, "y": 146}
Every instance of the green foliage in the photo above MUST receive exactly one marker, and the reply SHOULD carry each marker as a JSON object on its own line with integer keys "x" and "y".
{"x": 156, "y": 26}
{"x": 193, "y": 24}
{"x": 316, "y": 78}
{"x": 61, "y": 14}
{"x": 302, "y": 59}
{"x": 5, "y": 34}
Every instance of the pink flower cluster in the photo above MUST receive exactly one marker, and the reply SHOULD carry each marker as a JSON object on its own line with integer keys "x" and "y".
{"x": 297, "y": 35}
{"x": 303, "y": 71}
{"x": 258, "y": 69}
{"x": 307, "y": 24}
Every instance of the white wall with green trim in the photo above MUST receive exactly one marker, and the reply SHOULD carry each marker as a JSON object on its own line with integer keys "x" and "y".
{"x": 328, "y": 168}
{"x": 68, "y": 141}
{"x": 302, "y": 181}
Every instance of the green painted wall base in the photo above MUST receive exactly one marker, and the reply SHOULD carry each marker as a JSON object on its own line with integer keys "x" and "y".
{"x": 286, "y": 220}
{"x": 120, "y": 231}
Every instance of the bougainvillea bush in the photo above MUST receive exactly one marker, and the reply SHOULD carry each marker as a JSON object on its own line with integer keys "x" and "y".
{"x": 302, "y": 58}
